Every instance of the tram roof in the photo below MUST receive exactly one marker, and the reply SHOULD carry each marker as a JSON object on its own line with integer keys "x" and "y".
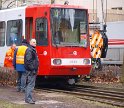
{"x": 12, "y": 9}
{"x": 56, "y": 6}
{"x": 39, "y": 5}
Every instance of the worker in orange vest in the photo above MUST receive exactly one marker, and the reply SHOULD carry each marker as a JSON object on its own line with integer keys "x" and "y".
{"x": 8, "y": 61}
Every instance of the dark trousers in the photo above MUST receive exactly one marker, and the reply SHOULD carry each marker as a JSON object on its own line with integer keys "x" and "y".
{"x": 21, "y": 81}
{"x": 29, "y": 86}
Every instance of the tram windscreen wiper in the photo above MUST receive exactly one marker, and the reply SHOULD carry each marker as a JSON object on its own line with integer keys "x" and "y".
{"x": 69, "y": 44}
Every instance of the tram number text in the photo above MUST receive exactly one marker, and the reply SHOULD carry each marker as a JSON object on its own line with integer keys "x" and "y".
{"x": 73, "y": 61}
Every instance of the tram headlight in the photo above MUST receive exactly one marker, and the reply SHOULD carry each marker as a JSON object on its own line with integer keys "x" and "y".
{"x": 57, "y": 61}
{"x": 86, "y": 61}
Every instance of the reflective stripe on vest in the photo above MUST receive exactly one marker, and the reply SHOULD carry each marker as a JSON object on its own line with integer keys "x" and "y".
{"x": 20, "y": 54}
{"x": 96, "y": 45}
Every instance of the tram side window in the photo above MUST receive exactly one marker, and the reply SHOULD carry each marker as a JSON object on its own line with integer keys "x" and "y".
{"x": 14, "y": 32}
{"x": 2, "y": 33}
{"x": 41, "y": 32}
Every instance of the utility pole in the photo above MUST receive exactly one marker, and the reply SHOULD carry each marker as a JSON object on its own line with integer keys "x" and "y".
{"x": 0, "y": 4}
{"x": 16, "y": 3}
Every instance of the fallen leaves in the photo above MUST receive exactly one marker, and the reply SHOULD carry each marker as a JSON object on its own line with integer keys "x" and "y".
{"x": 108, "y": 74}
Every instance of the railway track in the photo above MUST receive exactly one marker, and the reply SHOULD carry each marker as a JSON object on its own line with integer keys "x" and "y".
{"x": 114, "y": 97}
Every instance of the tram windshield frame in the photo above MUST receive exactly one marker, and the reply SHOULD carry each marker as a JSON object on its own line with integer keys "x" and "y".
{"x": 68, "y": 25}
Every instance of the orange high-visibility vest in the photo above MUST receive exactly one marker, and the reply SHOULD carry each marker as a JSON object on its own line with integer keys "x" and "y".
{"x": 8, "y": 58}
{"x": 20, "y": 54}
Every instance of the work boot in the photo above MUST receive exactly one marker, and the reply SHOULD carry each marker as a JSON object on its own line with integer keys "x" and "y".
{"x": 30, "y": 102}
{"x": 33, "y": 100}
{"x": 22, "y": 91}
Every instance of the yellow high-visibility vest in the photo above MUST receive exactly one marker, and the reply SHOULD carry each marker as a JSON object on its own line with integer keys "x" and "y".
{"x": 20, "y": 54}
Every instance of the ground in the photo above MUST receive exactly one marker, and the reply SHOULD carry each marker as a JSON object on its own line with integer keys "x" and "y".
{"x": 114, "y": 85}
{"x": 9, "y": 98}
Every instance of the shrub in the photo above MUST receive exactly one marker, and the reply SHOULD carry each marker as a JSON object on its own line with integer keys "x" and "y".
{"x": 7, "y": 76}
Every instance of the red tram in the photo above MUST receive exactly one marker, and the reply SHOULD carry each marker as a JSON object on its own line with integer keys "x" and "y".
{"x": 62, "y": 35}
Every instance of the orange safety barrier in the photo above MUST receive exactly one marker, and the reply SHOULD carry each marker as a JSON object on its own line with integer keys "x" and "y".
{"x": 96, "y": 43}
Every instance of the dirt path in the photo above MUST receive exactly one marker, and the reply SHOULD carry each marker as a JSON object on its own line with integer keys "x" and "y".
{"x": 9, "y": 98}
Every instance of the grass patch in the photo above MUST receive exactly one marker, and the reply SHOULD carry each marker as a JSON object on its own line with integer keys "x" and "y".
{"x": 5, "y": 104}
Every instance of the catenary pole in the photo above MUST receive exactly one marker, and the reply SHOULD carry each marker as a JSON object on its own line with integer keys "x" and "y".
{"x": 0, "y": 4}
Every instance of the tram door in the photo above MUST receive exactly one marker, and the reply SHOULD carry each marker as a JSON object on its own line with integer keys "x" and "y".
{"x": 41, "y": 34}
{"x": 29, "y": 28}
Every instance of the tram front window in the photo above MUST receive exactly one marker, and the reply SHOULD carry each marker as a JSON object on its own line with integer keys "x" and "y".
{"x": 67, "y": 26}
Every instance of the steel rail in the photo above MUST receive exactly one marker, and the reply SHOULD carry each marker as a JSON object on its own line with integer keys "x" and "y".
{"x": 100, "y": 95}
